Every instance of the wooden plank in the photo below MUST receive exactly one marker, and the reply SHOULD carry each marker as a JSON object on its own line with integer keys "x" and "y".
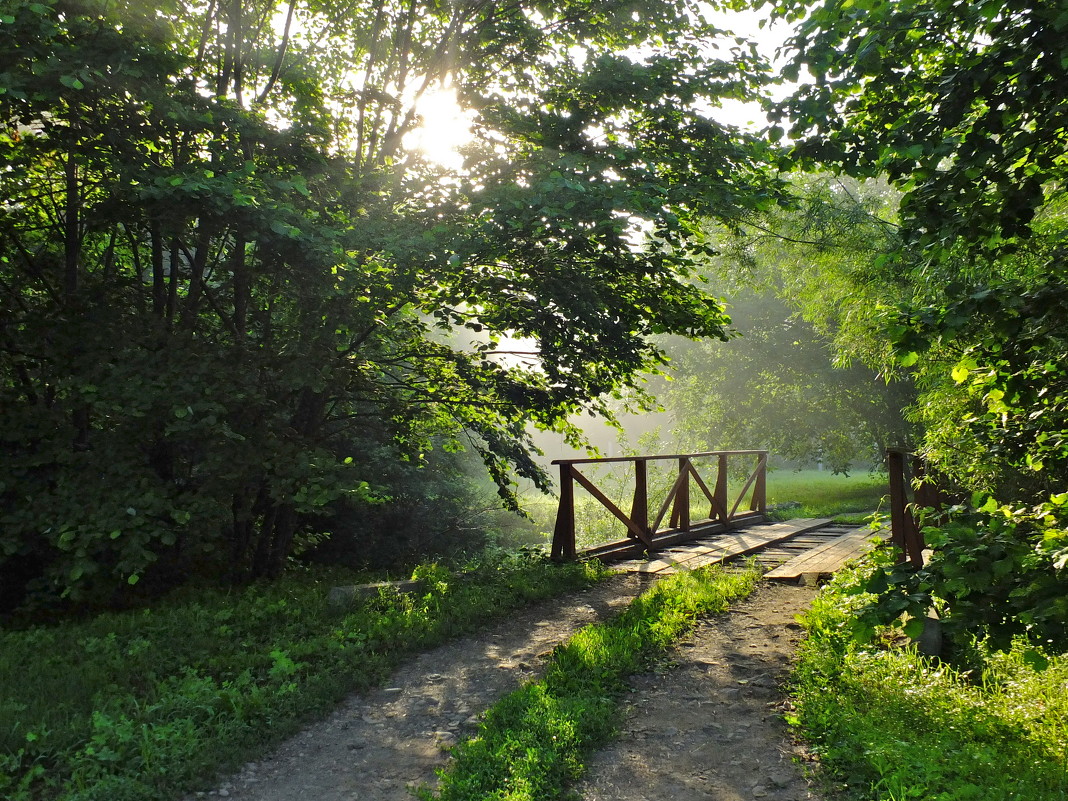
{"x": 611, "y": 507}
{"x": 827, "y": 558}
{"x": 728, "y": 546}
{"x": 699, "y": 530}
{"x": 740, "y": 542}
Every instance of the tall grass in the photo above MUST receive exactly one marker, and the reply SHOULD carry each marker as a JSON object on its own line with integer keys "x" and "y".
{"x": 889, "y": 724}
{"x": 140, "y": 705}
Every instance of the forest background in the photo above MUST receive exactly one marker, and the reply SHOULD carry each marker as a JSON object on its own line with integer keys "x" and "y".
{"x": 243, "y": 316}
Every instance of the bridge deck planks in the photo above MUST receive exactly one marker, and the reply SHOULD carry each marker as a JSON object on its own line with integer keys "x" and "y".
{"x": 722, "y": 547}
{"x": 827, "y": 558}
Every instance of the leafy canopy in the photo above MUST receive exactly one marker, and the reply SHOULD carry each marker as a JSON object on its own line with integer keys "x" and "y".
{"x": 226, "y": 276}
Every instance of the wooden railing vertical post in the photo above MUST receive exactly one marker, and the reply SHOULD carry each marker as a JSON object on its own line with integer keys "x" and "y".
{"x": 680, "y": 510}
{"x": 895, "y": 466}
{"x": 564, "y": 533}
{"x": 760, "y": 488}
{"x": 914, "y": 540}
{"x": 639, "y": 510}
{"x": 721, "y": 489}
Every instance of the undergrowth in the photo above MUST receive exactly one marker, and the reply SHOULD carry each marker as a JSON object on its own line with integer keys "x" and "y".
{"x": 889, "y": 724}
{"x": 531, "y": 744}
{"x": 140, "y": 705}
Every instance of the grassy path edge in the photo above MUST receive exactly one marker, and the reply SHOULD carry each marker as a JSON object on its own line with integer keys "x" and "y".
{"x": 881, "y": 718}
{"x": 531, "y": 743}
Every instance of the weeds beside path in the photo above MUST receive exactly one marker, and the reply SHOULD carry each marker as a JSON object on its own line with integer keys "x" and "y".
{"x": 708, "y": 725}
{"x": 705, "y": 725}
{"x": 376, "y": 745}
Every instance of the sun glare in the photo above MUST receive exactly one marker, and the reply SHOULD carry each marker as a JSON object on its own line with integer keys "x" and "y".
{"x": 445, "y": 128}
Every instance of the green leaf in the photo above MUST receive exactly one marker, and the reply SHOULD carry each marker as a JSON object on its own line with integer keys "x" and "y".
{"x": 1035, "y": 659}
{"x": 908, "y": 359}
{"x": 914, "y": 627}
{"x": 877, "y": 584}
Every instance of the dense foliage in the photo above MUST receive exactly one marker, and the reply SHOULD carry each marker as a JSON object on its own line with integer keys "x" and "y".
{"x": 887, "y": 723}
{"x": 798, "y": 379}
{"x": 227, "y": 277}
{"x": 960, "y": 107}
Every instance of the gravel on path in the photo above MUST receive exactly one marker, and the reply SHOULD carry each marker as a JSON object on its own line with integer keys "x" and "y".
{"x": 376, "y": 745}
{"x": 708, "y": 725}
{"x": 705, "y": 725}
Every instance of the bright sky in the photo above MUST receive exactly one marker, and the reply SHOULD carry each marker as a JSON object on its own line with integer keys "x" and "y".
{"x": 768, "y": 40}
{"x": 446, "y": 127}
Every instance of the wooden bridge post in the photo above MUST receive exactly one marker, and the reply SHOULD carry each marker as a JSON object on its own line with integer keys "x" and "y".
{"x": 680, "y": 510}
{"x": 639, "y": 510}
{"x": 720, "y": 494}
{"x": 904, "y": 528}
{"x": 564, "y": 533}
{"x": 760, "y": 489}
{"x": 895, "y": 466}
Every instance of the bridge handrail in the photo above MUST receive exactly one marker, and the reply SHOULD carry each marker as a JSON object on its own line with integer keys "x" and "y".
{"x": 637, "y": 522}
{"x": 606, "y": 459}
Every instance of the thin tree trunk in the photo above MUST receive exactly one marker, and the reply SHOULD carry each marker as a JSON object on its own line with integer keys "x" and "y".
{"x": 71, "y": 236}
{"x": 198, "y": 264}
{"x": 159, "y": 280}
{"x": 241, "y": 287}
{"x": 71, "y": 248}
{"x": 279, "y": 59}
{"x": 172, "y": 283}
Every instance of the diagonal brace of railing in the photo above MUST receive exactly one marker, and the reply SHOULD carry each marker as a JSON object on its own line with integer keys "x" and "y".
{"x": 678, "y": 497}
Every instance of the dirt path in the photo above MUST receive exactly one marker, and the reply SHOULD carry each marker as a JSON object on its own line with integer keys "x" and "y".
{"x": 708, "y": 725}
{"x": 375, "y": 746}
{"x": 705, "y": 729}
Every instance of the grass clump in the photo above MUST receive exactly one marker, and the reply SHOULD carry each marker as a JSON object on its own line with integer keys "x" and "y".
{"x": 889, "y": 724}
{"x": 141, "y": 705}
{"x": 531, "y": 744}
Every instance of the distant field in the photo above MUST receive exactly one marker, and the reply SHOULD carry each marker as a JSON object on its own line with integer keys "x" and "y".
{"x": 822, "y": 494}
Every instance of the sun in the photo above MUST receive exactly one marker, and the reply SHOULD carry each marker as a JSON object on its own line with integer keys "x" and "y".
{"x": 445, "y": 127}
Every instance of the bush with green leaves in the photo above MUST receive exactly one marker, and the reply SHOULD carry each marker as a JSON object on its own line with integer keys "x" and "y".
{"x": 993, "y": 570}
{"x": 888, "y": 724}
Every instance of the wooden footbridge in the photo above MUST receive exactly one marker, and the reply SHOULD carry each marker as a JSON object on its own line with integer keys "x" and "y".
{"x": 681, "y": 535}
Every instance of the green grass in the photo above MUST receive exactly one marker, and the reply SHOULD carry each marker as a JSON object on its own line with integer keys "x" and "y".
{"x": 821, "y": 494}
{"x": 141, "y": 705}
{"x": 531, "y": 744}
{"x": 888, "y": 724}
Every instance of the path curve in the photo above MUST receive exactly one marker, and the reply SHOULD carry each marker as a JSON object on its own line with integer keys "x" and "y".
{"x": 707, "y": 728}
{"x": 375, "y": 746}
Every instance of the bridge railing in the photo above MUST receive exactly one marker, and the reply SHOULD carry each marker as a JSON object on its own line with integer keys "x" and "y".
{"x": 645, "y": 529}
{"x": 910, "y": 489}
